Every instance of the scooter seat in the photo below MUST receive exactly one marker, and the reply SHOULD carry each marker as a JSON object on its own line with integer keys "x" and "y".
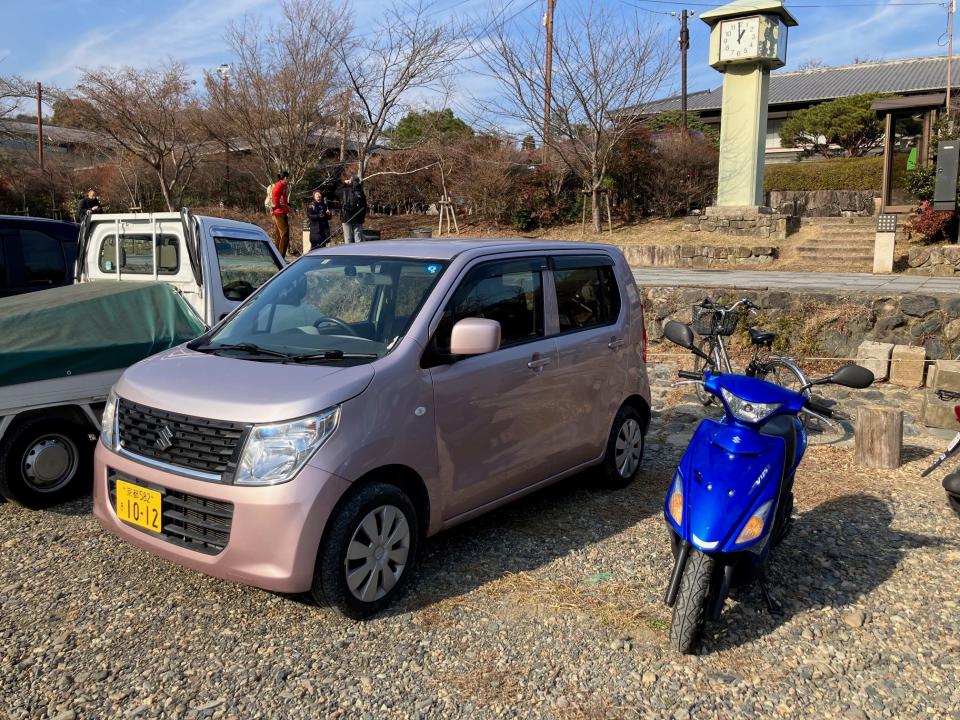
{"x": 759, "y": 337}
{"x": 784, "y": 427}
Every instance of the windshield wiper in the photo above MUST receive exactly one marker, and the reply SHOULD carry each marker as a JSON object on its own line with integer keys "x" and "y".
{"x": 243, "y": 347}
{"x": 331, "y": 355}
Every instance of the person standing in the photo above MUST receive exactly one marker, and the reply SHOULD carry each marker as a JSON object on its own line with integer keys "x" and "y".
{"x": 88, "y": 204}
{"x": 318, "y": 214}
{"x": 281, "y": 210}
{"x": 353, "y": 209}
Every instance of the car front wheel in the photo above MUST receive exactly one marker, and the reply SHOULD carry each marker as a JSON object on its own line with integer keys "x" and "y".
{"x": 368, "y": 552}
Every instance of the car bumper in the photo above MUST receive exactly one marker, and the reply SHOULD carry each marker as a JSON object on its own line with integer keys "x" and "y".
{"x": 274, "y": 533}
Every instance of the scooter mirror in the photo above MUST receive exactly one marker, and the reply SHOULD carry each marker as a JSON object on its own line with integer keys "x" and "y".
{"x": 679, "y": 334}
{"x": 853, "y": 376}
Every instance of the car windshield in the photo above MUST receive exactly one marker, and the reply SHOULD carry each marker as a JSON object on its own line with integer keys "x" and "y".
{"x": 329, "y": 308}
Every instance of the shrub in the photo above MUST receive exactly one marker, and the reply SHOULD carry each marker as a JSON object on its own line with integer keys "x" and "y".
{"x": 922, "y": 182}
{"x": 934, "y": 225}
{"x": 842, "y": 174}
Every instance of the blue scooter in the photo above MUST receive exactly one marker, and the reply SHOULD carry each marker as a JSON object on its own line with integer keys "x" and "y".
{"x": 730, "y": 500}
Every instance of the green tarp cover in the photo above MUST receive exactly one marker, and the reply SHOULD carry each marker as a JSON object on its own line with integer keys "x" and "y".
{"x": 88, "y": 328}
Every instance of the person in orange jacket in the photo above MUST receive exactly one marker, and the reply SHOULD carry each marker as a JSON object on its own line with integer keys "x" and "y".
{"x": 280, "y": 212}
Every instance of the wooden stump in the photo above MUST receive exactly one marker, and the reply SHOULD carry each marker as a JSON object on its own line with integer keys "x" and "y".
{"x": 879, "y": 437}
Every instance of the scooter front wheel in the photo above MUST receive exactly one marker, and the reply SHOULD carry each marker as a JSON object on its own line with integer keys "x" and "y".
{"x": 690, "y": 610}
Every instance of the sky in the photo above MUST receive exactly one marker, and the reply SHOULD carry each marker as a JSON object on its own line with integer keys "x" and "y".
{"x": 53, "y": 38}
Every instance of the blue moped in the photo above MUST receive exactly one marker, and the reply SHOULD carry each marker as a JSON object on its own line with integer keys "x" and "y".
{"x": 730, "y": 501}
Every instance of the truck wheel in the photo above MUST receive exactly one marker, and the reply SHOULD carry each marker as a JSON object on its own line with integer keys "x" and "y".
{"x": 368, "y": 552}
{"x": 621, "y": 463}
{"x": 45, "y": 461}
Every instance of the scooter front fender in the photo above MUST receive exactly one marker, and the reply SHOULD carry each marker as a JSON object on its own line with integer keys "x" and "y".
{"x": 728, "y": 473}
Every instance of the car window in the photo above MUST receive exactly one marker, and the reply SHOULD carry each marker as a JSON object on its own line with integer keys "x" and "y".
{"x": 510, "y": 292}
{"x": 3, "y": 261}
{"x": 587, "y": 293}
{"x": 244, "y": 265}
{"x": 43, "y": 262}
{"x": 136, "y": 257}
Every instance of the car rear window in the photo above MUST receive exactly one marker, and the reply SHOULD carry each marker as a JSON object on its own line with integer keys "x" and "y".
{"x": 136, "y": 257}
{"x": 43, "y": 262}
{"x": 587, "y": 292}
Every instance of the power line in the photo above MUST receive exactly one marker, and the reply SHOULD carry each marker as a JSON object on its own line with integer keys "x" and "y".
{"x": 806, "y": 5}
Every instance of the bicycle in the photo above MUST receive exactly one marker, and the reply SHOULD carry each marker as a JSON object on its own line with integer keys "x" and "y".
{"x": 714, "y": 322}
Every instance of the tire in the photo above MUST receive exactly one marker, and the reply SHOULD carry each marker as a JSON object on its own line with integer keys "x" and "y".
{"x": 954, "y": 503}
{"x": 787, "y": 376}
{"x": 625, "y": 446}
{"x": 378, "y": 575}
{"x": 690, "y": 610}
{"x": 45, "y": 461}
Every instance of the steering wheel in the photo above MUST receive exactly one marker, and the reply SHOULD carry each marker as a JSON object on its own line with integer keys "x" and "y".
{"x": 327, "y": 320}
{"x": 238, "y": 290}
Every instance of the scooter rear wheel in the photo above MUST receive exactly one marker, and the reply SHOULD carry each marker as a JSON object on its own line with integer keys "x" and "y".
{"x": 690, "y": 610}
{"x": 954, "y": 503}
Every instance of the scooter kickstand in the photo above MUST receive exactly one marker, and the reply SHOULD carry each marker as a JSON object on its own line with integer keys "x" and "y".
{"x": 773, "y": 607}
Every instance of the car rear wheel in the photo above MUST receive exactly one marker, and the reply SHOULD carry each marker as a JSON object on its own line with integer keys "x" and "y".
{"x": 368, "y": 552}
{"x": 625, "y": 446}
{"x": 45, "y": 461}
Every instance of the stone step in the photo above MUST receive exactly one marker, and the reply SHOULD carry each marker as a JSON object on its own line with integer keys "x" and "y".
{"x": 837, "y": 249}
{"x": 834, "y": 221}
{"x": 845, "y": 245}
{"x": 852, "y": 256}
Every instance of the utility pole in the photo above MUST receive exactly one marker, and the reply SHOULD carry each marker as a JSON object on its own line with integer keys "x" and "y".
{"x": 684, "y": 49}
{"x": 548, "y": 78}
{"x": 224, "y": 72}
{"x": 40, "y": 126}
{"x": 951, "y": 9}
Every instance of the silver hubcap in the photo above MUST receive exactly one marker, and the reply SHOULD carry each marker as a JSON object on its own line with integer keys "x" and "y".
{"x": 629, "y": 448}
{"x": 377, "y": 553}
{"x": 50, "y": 463}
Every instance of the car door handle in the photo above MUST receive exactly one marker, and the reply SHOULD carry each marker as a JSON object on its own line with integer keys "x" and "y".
{"x": 538, "y": 363}
{"x": 616, "y": 343}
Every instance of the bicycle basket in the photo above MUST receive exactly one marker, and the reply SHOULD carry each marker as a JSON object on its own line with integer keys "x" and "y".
{"x": 728, "y": 326}
{"x": 707, "y": 321}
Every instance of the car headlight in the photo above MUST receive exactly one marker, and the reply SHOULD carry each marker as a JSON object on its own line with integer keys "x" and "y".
{"x": 754, "y": 527}
{"x": 109, "y": 434}
{"x": 675, "y": 504}
{"x": 274, "y": 453}
{"x": 748, "y": 411}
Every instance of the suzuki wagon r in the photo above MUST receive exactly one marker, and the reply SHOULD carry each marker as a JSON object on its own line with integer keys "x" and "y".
{"x": 369, "y": 396}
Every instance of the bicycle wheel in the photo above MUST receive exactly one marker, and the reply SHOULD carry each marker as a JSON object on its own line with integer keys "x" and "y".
{"x": 785, "y": 374}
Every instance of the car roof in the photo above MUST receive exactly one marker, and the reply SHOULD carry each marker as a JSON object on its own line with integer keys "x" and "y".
{"x": 30, "y": 218}
{"x": 443, "y": 249}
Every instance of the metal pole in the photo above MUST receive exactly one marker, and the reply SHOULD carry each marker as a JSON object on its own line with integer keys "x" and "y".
{"x": 548, "y": 78}
{"x": 226, "y": 146}
{"x": 40, "y": 126}
{"x": 951, "y": 8}
{"x": 684, "y": 47}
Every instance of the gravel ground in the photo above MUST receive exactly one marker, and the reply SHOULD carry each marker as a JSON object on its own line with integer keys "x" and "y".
{"x": 550, "y": 608}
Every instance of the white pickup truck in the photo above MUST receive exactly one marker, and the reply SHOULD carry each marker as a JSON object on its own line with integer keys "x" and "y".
{"x": 169, "y": 276}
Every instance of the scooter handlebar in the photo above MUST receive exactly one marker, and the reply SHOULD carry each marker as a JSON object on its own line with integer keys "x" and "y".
{"x": 689, "y": 375}
{"x": 819, "y": 409}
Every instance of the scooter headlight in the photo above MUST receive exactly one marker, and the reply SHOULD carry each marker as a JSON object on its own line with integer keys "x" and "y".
{"x": 754, "y": 527}
{"x": 675, "y": 504}
{"x": 748, "y": 411}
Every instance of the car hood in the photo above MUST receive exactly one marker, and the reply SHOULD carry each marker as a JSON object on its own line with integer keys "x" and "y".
{"x": 222, "y": 388}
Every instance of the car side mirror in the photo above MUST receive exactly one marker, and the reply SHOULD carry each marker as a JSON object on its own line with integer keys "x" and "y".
{"x": 852, "y": 376}
{"x": 475, "y": 336}
{"x": 679, "y": 334}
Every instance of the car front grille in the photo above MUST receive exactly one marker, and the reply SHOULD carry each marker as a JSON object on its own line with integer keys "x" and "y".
{"x": 190, "y": 521}
{"x": 207, "y": 446}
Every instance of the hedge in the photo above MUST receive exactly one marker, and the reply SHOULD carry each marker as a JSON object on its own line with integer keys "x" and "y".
{"x": 839, "y": 174}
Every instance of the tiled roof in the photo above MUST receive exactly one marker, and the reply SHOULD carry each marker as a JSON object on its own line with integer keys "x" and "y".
{"x": 54, "y": 134}
{"x": 915, "y": 75}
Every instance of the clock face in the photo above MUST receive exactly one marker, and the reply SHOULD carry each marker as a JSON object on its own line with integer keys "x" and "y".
{"x": 740, "y": 39}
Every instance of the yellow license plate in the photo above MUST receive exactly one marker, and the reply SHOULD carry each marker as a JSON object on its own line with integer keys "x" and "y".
{"x": 139, "y": 506}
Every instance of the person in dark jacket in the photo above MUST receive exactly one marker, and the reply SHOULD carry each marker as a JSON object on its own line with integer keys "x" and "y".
{"x": 319, "y": 215}
{"x": 353, "y": 209}
{"x": 88, "y": 204}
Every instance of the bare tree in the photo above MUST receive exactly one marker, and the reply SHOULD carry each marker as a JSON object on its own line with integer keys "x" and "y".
{"x": 150, "y": 114}
{"x": 276, "y": 99}
{"x": 13, "y": 91}
{"x": 813, "y": 63}
{"x": 404, "y": 52}
{"x": 601, "y": 66}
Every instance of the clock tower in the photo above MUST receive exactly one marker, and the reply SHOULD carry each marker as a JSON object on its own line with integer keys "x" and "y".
{"x": 748, "y": 39}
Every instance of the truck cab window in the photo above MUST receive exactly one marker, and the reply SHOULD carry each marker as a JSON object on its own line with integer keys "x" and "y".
{"x": 136, "y": 257}
{"x": 43, "y": 262}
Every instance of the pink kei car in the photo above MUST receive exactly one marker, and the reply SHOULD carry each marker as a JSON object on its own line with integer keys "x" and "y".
{"x": 369, "y": 396}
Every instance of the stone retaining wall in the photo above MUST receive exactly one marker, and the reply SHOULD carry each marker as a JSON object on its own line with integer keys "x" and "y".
{"x": 756, "y": 222}
{"x": 697, "y": 256}
{"x": 823, "y": 203}
{"x": 941, "y": 260}
{"x": 823, "y": 324}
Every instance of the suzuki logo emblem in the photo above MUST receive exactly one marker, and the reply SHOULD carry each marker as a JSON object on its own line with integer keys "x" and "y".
{"x": 164, "y": 438}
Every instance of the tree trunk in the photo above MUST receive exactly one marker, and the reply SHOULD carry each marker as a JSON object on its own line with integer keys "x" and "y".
{"x": 879, "y": 437}
{"x": 595, "y": 202}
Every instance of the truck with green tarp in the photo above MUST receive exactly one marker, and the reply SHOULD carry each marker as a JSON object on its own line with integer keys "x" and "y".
{"x": 61, "y": 350}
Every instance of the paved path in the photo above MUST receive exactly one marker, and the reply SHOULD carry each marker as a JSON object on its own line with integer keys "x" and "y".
{"x": 759, "y": 279}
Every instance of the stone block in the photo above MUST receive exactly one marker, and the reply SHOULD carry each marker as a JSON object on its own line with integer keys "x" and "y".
{"x": 762, "y": 250}
{"x": 918, "y": 305}
{"x": 937, "y": 413}
{"x": 907, "y": 366}
{"x": 883, "y": 247}
{"x": 743, "y": 252}
{"x": 691, "y": 227}
{"x": 708, "y": 226}
{"x": 687, "y": 251}
{"x": 952, "y": 331}
{"x": 765, "y": 233}
{"x": 945, "y": 375}
{"x": 918, "y": 256}
{"x": 875, "y": 357}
